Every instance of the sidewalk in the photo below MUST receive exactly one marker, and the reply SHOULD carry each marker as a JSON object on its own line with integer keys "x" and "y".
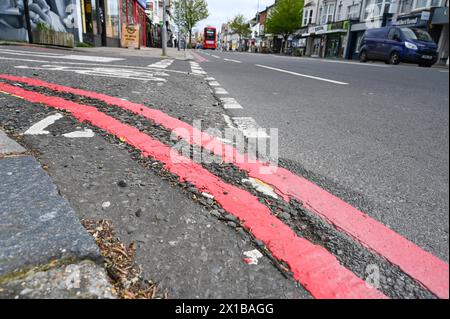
{"x": 143, "y": 52}
{"x": 44, "y": 250}
{"x": 338, "y": 60}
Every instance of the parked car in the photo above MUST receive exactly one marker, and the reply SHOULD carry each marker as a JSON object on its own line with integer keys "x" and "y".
{"x": 398, "y": 44}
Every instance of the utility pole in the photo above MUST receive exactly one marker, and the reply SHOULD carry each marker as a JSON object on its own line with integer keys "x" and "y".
{"x": 28, "y": 22}
{"x": 164, "y": 30}
{"x": 179, "y": 25}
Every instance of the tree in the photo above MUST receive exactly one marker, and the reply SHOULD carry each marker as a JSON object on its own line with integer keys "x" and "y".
{"x": 285, "y": 19}
{"x": 187, "y": 13}
{"x": 239, "y": 26}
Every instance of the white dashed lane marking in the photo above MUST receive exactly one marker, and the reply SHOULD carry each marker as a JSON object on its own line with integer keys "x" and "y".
{"x": 231, "y": 60}
{"x": 230, "y": 103}
{"x": 249, "y": 127}
{"x": 301, "y": 75}
{"x": 39, "y": 127}
{"x": 87, "y": 58}
{"x": 220, "y": 91}
{"x": 197, "y": 69}
{"x": 112, "y": 72}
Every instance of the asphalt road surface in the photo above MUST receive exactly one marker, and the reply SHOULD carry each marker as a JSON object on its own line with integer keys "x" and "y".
{"x": 373, "y": 135}
{"x": 379, "y": 139}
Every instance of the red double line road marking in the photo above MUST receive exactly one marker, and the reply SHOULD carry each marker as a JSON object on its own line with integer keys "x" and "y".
{"x": 199, "y": 58}
{"x": 421, "y": 265}
{"x": 312, "y": 266}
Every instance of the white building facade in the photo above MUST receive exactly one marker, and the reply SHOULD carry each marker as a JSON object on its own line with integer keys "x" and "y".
{"x": 334, "y": 28}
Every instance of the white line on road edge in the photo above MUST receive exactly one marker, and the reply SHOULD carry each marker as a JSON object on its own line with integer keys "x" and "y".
{"x": 64, "y": 57}
{"x": 249, "y": 127}
{"x": 252, "y": 256}
{"x": 210, "y": 79}
{"x": 22, "y": 51}
{"x": 215, "y": 56}
{"x": 39, "y": 127}
{"x": 261, "y": 187}
{"x": 230, "y": 103}
{"x": 228, "y": 121}
{"x": 163, "y": 64}
{"x": 354, "y": 63}
{"x": 196, "y": 68}
{"x": 302, "y": 75}
{"x": 220, "y": 91}
{"x": 214, "y": 83}
{"x": 104, "y": 72}
{"x": 86, "y": 132}
{"x": 231, "y": 60}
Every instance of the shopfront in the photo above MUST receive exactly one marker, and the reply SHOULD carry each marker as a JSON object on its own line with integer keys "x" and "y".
{"x": 356, "y": 33}
{"x": 133, "y": 12}
{"x": 102, "y": 20}
{"x": 328, "y": 40}
{"x": 417, "y": 20}
{"x": 336, "y": 39}
{"x": 439, "y": 27}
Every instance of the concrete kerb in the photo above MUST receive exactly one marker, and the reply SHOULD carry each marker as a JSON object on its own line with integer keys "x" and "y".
{"x": 45, "y": 252}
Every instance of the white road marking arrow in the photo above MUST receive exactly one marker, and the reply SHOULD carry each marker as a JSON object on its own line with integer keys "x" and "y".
{"x": 39, "y": 127}
{"x": 253, "y": 256}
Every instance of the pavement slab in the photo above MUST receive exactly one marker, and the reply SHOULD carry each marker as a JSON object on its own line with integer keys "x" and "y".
{"x": 84, "y": 280}
{"x": 184, "y": 239}
{"x": 37, "y": 225}
{"x": 9, "y": 146}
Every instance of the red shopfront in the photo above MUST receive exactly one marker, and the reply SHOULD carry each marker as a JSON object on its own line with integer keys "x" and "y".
{"x": 133, "y": 11}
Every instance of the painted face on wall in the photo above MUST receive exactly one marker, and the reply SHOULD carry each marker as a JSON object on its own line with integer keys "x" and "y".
{"x": 58, "y": 15}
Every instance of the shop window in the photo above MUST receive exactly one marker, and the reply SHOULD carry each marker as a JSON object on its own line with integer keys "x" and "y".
{"x": 130, "y": 16}
{"x": 112, "y": 18}
{"x": 308, "y": 17}
{"x": 376, "y": 8}
{"x": 124, "y": 10}
{"x": 353, "y": 11}
{"x": 425, "y": 4}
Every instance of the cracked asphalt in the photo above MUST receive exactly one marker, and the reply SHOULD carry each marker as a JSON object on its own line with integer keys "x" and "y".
{"x": 181, "y": 245}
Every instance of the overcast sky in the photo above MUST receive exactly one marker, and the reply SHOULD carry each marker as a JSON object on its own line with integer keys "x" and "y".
{"x": 221, "y": 11}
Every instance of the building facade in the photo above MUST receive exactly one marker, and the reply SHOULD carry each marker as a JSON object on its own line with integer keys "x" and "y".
{"x": 334, "y": 28}
{"x": 97, "y": 22}
{"x": 429, "y": 15}
{"x": 57, "y": 15}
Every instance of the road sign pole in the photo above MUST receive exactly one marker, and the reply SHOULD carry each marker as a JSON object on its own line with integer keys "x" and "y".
{"x": 164, "y": 30}
{"x": 28, "y": 22}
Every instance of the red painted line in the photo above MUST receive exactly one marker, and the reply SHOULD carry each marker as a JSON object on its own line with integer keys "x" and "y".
{"x": 199, "y": 58}
{"x": 422, "y": 266}
{"x": 312, "y": 266}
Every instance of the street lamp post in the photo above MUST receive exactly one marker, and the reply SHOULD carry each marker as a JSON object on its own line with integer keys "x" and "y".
{"x": 164, "y": 30}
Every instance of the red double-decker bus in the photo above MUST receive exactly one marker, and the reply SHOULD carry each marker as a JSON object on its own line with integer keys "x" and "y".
{"x": 209, "y": 38}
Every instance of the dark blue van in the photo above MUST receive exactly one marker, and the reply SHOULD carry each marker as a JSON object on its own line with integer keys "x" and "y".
{"x": 398, "y": 44}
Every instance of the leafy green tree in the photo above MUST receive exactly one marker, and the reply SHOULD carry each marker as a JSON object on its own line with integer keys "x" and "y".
{"x": 239, "y": 26}
{"x": 285, "y": 19}
{"x": 187, "y": 13}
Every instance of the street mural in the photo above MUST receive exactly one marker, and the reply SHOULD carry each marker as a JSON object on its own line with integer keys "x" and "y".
{"x": 58, "y": 15}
